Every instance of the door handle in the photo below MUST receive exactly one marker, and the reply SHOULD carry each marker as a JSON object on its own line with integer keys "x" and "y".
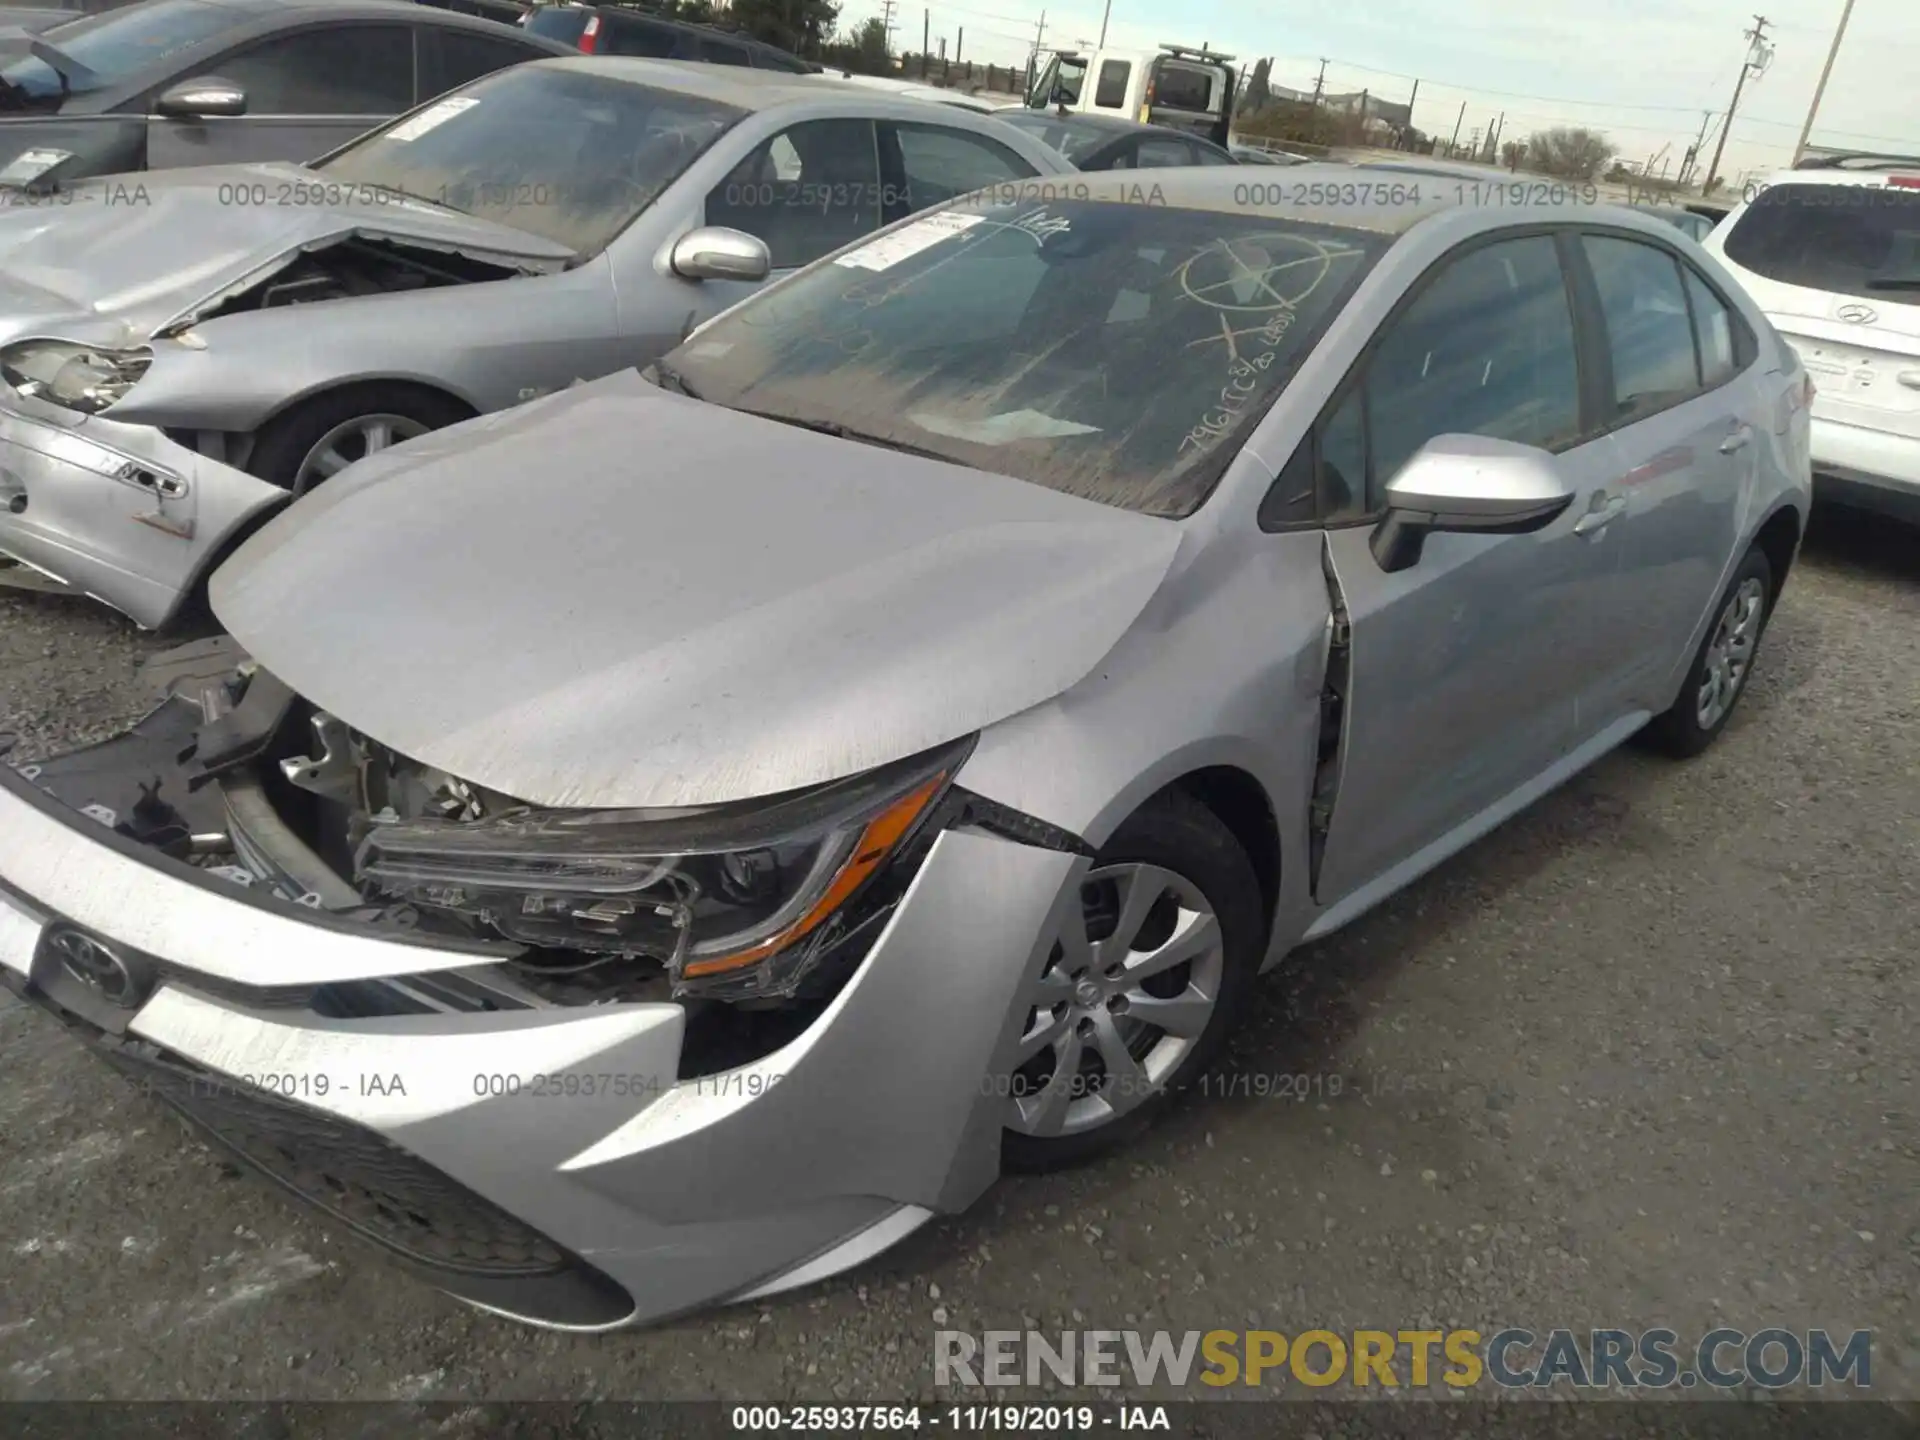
{"x": 1597, "y": 520}
{"x": 1741, "y": 437}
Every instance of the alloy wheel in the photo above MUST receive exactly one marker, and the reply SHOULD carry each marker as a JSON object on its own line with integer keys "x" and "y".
{"x": 349, "y": 441}
{"x": 1129, "y": 988}
{"x": 1729, "y": 655}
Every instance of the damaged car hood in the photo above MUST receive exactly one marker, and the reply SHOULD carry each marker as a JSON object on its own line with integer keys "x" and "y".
{"x": 617, "y": 596}
{"x": 112, "y": 262}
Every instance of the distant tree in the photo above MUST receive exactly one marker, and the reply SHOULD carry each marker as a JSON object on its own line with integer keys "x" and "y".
{"x": 870, "y": 45}
{"x": 802, "y": 26}
{"x": 1513, "y": 153}
{"x": 1570, "y": 151}
{"x": 699, "y": 12}
{"x": 1259, "y": 81}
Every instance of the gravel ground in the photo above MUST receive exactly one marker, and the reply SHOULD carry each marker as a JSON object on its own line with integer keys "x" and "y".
{"x": 1645, "y": 1056}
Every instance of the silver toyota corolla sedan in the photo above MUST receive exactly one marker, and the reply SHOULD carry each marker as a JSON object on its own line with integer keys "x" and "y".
{"x": 181, "y": 351}
{"x": 670, "y": 839}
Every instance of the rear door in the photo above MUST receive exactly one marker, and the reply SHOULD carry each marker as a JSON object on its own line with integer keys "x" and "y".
{"x": 309, "y": 89}
{"x": 1686, "y": 417}
{"x": 1188, "y": 95}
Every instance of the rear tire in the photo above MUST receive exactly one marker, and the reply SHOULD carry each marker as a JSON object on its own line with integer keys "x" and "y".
{"x": 302, "y": 447}
{"x": 1722, "y": 666}
{"x": 1176, "y": 884}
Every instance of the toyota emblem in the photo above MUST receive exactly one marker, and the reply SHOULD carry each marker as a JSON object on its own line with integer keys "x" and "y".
{"x": 95, "y": 964}
{"x": 1858, "y": 314}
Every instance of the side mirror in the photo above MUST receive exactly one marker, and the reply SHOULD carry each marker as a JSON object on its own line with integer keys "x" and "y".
{"x": 713, "y": 252}
{"x": 1470, "y": 484}
{"x": 197, "y": 99}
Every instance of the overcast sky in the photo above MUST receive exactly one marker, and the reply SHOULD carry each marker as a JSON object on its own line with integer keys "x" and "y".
{"x": 1644, "y": 71}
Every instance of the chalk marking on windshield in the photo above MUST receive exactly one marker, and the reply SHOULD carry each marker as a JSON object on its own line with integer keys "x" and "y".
{"x": 1243, "y": 372}
{"x": 431, "y": 118}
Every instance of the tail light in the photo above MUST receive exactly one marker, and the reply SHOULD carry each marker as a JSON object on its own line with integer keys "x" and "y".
{"x": 1904, "y": 182}
{"x": 590, "y": 36}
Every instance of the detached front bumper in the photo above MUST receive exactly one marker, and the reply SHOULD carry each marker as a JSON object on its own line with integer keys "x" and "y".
{"x": 545, "y": 1163}
{"x": 116, "y": 511}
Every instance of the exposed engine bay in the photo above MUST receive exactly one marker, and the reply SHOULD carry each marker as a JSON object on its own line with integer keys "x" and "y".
{"x": 255, "y": 787}
{"x": 359, "y": 265}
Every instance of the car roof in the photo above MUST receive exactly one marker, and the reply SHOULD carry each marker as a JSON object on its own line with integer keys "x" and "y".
{"x": 364, "y": 9}
{"x": 736, "y": 85}
{"x": 1116, "y": 124}
{"x": 1822, "y": 175}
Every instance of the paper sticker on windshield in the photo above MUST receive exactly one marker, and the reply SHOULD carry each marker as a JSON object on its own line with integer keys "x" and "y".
{"x": 1002, "y": 429}
{"x": 30, "y": 165}
{"x": 908, "y": 241}
{"x": 431, "y": 117}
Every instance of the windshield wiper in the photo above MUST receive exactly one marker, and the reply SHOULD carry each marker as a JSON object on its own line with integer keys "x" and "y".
{"x": 1897, "y": 282}
{"x": 841, "y": 432}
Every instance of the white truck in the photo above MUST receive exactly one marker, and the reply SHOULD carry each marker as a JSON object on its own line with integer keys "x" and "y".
{"x": 1186, "y": 89}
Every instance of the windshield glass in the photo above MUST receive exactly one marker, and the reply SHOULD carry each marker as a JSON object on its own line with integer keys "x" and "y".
{"x": 116, "y": 45}
{"x": 562, "y": 153}
{"x": 1074, "y": 139}
{"x": 1846, "y": 239}
{"x": 1116, "y": 351}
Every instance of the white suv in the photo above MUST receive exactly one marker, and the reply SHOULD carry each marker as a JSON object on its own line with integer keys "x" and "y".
{"x": 1832, "y": 253}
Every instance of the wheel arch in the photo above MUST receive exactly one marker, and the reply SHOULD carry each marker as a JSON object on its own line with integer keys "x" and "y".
{"x": 1779, "y": 540}
{"x": 402, "y": 380}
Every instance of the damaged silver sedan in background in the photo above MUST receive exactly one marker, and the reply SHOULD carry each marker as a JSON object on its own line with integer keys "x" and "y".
{"x": 179, "y": 359}
{"x": 904, "y": 722}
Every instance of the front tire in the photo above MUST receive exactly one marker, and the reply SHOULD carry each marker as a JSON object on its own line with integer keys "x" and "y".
{"x": 1141, "y": 989}
{"x": 1722, "y": 665}
{"x": 323, "y": 435}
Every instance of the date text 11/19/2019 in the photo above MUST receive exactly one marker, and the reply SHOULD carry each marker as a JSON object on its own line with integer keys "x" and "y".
{"x": 960, "y": 1419}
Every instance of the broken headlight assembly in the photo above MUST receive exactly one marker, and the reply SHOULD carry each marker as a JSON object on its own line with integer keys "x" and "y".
{"x": 736, "y": 901}
{"x": 86, "y": 378}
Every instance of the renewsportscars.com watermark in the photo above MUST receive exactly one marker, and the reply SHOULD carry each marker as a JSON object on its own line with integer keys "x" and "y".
{"x": 1771, "y": 1359}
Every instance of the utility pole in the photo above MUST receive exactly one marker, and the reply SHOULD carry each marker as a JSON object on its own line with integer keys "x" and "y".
{"x": 1103, "y": 25}
{"x": 926, "y": 27}
{"x": 1693, "y": 151}
{"x": 1758, "y": 53}
{"x": 886, "y": 19}
{"x": 1319, "y": 83}
{"x": 1456, "y": 127}
{"x": 959, "y": 38}
{"x": 1821, "y": 89}
{"x": 1493, "y": 138}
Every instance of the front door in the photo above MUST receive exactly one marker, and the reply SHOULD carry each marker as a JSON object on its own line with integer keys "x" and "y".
{"x": 1465, "y": 669}
{"x": 308, "y": 91}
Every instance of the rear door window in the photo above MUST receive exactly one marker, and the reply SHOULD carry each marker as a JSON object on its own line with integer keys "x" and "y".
{"x": 564, "y": 23}
{"x": 635, "y": 37}
{"x": 1183, "y": 87}
{"x": 1717, "y": 330}
{"x": 1649, "y": 331}
{"x": 1859, "y": 240}
{"x": 938, "y": 163}
{"x": 1159, "y": 150}
{"x": 452, "y": 57}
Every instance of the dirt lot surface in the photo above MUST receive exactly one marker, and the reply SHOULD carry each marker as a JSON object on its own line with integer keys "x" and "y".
{"x": 1645, "y": 1056}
